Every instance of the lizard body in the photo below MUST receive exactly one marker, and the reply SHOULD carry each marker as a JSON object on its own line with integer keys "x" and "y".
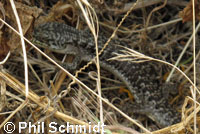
{"x": 140, "y": 78}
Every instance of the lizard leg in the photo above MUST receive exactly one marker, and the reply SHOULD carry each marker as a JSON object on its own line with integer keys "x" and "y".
{"x": 76, "y": 59}
{"x": 73, "y": 65}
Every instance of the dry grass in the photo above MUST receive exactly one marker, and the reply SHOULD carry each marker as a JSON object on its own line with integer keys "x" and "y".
{"x": 51, "y": 96}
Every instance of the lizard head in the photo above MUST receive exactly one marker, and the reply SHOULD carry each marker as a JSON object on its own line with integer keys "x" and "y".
{"x": 156, "y": 106}
{"x": 159, "y": 110}
{"x": 43, "y": 36}
{"x": 163, "y": 115}
{"x": 54, "y": 35}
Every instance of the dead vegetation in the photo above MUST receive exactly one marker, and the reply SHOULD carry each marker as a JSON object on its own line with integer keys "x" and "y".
{"x": 151, "y": 27}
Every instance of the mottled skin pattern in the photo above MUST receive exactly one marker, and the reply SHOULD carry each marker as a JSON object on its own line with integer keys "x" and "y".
{"x": 150, "y": 96}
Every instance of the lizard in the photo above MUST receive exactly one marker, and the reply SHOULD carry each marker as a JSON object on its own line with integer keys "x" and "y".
{"x": 151, "y": 96}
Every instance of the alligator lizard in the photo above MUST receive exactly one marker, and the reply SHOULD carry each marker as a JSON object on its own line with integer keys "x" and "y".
{"x": 140, "y": 78}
